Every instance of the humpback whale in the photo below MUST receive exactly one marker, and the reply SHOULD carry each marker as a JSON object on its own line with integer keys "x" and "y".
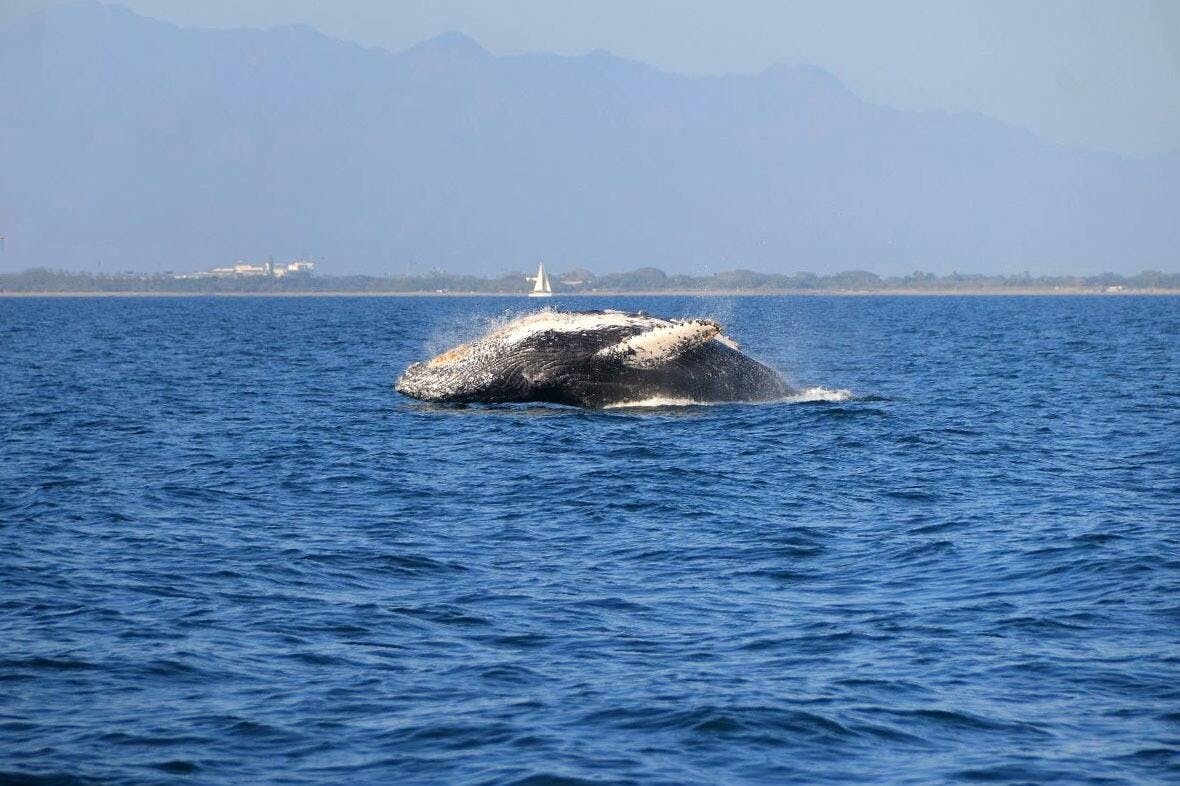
{"x": 595, "y": 359}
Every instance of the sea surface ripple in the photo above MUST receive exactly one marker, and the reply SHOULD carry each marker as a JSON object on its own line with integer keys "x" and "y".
{"x": 231, "y": 553}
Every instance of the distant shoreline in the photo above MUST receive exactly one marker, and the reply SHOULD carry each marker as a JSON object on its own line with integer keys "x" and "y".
{"x": 1017, "y": 292}
{"x": 643, "y": 282}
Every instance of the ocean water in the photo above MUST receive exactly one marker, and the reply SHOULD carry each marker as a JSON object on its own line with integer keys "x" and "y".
{"x": 231, "y": 553}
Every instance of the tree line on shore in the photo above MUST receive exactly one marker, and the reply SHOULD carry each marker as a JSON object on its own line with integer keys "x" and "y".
{"x": 642, "y": 280}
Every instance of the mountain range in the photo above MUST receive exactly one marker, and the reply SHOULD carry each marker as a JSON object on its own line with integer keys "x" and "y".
{"x": 130, "y": 143}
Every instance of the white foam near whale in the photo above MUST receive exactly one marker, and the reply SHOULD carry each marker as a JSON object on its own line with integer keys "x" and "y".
{"x": 821, "y": 394}
{"x": 805, "y": 396}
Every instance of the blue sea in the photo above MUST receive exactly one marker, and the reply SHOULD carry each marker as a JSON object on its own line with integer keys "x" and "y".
{"x": 230, "y": 553}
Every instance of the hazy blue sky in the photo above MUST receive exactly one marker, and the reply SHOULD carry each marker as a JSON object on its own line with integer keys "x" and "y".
{"x": 1095, "y": 74}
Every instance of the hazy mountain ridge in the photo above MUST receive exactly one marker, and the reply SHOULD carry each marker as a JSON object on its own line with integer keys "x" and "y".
{"x": 143, "y": 145}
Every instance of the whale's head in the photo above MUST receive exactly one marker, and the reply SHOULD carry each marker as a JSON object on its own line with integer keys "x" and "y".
{"x": 583, "y": 358}
{"x": 469, "y": 372}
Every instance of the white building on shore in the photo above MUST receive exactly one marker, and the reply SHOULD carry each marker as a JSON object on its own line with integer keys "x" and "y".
{"x": 241, "y": 269}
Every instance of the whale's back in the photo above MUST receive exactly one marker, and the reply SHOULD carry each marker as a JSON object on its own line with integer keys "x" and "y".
{"x": 594, "y": 359}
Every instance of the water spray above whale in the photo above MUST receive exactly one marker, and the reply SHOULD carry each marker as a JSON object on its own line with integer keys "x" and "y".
{"x": 595, "y": 359}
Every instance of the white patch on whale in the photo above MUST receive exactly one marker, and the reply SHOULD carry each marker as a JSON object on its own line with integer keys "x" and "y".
{"x": 662, "y": 344}
{"x": 565, "y": 322}
{"x": 659, "y": 338}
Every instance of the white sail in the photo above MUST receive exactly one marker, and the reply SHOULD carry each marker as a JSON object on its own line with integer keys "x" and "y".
{"x": 541, "y": 286}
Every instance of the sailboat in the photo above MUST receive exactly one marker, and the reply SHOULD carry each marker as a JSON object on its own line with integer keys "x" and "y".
{"x": 541, "y": 286}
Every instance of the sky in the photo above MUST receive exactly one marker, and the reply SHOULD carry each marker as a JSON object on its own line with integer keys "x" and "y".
{"x": 1099, "y": 75}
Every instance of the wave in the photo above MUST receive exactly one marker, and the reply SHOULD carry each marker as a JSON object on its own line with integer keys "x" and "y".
{"x": 804, "y": 396}
{"x": 820, "y": 393}
{"x": 657, "y": 401}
